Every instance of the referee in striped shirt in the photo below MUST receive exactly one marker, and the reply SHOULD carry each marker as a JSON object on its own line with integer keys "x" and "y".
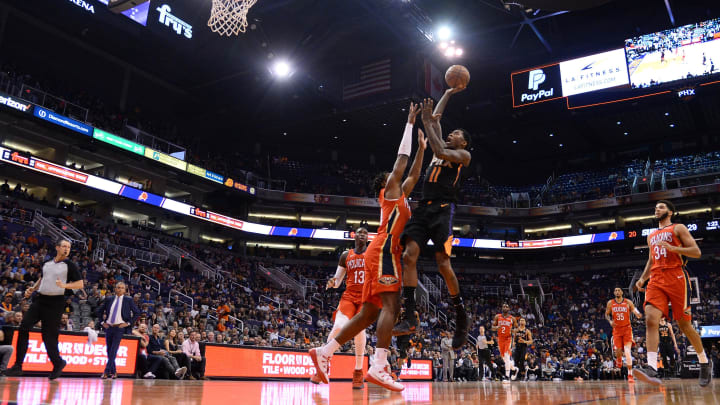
{"x": 58, "y": 275}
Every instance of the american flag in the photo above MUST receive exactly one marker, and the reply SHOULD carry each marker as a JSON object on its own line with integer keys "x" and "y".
{"x": 374, "y": 78}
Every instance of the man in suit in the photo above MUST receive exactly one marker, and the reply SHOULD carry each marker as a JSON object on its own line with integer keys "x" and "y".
{"x": 119, "y": 313}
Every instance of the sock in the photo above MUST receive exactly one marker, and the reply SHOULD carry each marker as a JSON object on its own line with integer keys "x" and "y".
{"x": 629, "y": 371}
{"x": 652, "y": 360}
{"x": 409, "y": 295}
{"x": 702, "y": 357}
{"x": 381, "y": 357}
{"x": 457, "y": 301}
{"x": 360, "y": 341}
{"x": 330, "y": 348}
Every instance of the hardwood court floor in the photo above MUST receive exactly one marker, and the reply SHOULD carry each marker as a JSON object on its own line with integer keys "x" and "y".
{"x": 35, "y": 390}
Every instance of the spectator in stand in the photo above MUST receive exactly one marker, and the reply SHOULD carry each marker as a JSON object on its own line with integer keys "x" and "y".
{"x": 147, "y": 363}
{"x": 6, "y": 351}
{"x": 448, "y": 358}
{"x": 156, "y": 346}
{"x": 533, "y": 368}
{"x": 66, "y": 323}
{"x": 7, "y": 304}
{"x": 191, "y": 348}
{"x": 174, "y": 349}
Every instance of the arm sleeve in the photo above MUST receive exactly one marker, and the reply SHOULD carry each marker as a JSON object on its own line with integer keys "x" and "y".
{"x": 73, "y": 274}
{"x": 339, "y": 275}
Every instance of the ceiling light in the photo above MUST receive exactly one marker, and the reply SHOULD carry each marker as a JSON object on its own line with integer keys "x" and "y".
{"x": 281, "y": 69}
{"x": 450, "y": 52}
{"x": 619, "y": 122}
{"x": 458, "y": 52}
{"x": 672, "y": 125}
{"x": 444, "y": 32}
{"x": 549, "y": 228}
{"x": 443, "y": 45}
{"x": 551, "y": 135}
{"x": 515, "y": 141}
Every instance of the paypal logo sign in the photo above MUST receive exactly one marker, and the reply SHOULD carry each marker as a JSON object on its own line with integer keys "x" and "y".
{"x": 537, "y": 77}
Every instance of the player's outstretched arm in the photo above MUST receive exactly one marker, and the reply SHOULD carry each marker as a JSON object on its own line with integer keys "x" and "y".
{"x": 494, "y": 326}
{"x": 394, "y": 181}
{"x": 444, "y": 100}
{"x": 431, "y": 122}
{"x": 414, "y": 175}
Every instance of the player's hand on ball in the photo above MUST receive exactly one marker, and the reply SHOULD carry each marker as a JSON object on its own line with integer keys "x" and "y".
{"x": 413, "y": 111}
{"x": 454, "y": 90}
{"x": 422, "y": 140}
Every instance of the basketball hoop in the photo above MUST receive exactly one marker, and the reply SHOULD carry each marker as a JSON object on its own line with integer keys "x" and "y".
{"x": 229, "y": 17}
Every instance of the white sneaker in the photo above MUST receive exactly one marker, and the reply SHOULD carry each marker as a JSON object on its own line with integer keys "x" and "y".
{"x": 180, "y": 373}
{"x": 149, "y": 375}
{"x": 506, "y": 381}
{"x": 379, "y": 376}
{"x": 321, "y": 363}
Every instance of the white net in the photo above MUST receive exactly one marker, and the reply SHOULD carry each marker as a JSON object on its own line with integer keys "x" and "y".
{"x": 229, "y": 17}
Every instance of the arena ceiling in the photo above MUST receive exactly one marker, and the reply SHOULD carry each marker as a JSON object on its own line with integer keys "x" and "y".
{"x": 236, "y": 101}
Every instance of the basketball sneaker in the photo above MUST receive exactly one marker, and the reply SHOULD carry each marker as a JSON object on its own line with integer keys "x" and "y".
{"x": 321, "y": 363}
{"x": 380, "y": 376}
{"x": 315, "y": 379}
{"x": 357, "y": 383}
{"x": 407, "y": 326}
{"x": 705, "y": 373}
{"x": 647, "y": 374}
{"x": 631, "y": 379}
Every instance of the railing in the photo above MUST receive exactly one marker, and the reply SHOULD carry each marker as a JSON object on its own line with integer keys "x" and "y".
{"x": 159, "y": 144}
{"x": 45, "y": 227}
{"x": 123, "y": 267}
{"x": 98, "y": 255}
{"x": 431, "y": 288}
{"x": 424, "y": 294}
{"x": 317, "y": 299}
{"x": 138, "y": 254}
{"x": 541, "y": 318}
{"x": 169, "y": 251}
{"x": 68, "y": 228}
{"x": 152, "y": 280}
{"x": 301, "y": 315}
{"x": 182, "y": 297}
{"x": 265, "y": 299}
{"x": 283, "y": 279}
{"x": 238, "y": 322}
{"x": 55, "y": 103}
{"x": 310, "y": 285}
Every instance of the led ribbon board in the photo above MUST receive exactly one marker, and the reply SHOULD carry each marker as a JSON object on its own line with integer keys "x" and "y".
{"x": 42, "y": 166}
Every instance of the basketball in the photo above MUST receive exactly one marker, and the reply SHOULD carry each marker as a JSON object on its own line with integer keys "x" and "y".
{"x": 457, "y": 76}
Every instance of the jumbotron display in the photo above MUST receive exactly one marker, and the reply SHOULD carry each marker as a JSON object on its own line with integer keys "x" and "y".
{"x": 680, "y": 53}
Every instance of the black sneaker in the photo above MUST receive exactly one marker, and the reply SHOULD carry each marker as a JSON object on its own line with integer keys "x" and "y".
{"x": 461, "y": 331}
{"x": 647, "y": 374}
{"x": 57, "y": 370}
{"x": 14, "y": 371}
{"x": 705, "y": 373}
{"x": 407, "y": 326}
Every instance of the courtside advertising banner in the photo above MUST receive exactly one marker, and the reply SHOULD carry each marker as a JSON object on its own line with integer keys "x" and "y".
{"x": 418, "y": 370}
{"x": 594, "y": 72}
{"x": 242, "y": 362}
{"x": 82, "y": 357}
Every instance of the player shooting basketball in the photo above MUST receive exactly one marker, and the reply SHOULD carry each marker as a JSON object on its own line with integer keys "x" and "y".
{"x": 433, "y": 217}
